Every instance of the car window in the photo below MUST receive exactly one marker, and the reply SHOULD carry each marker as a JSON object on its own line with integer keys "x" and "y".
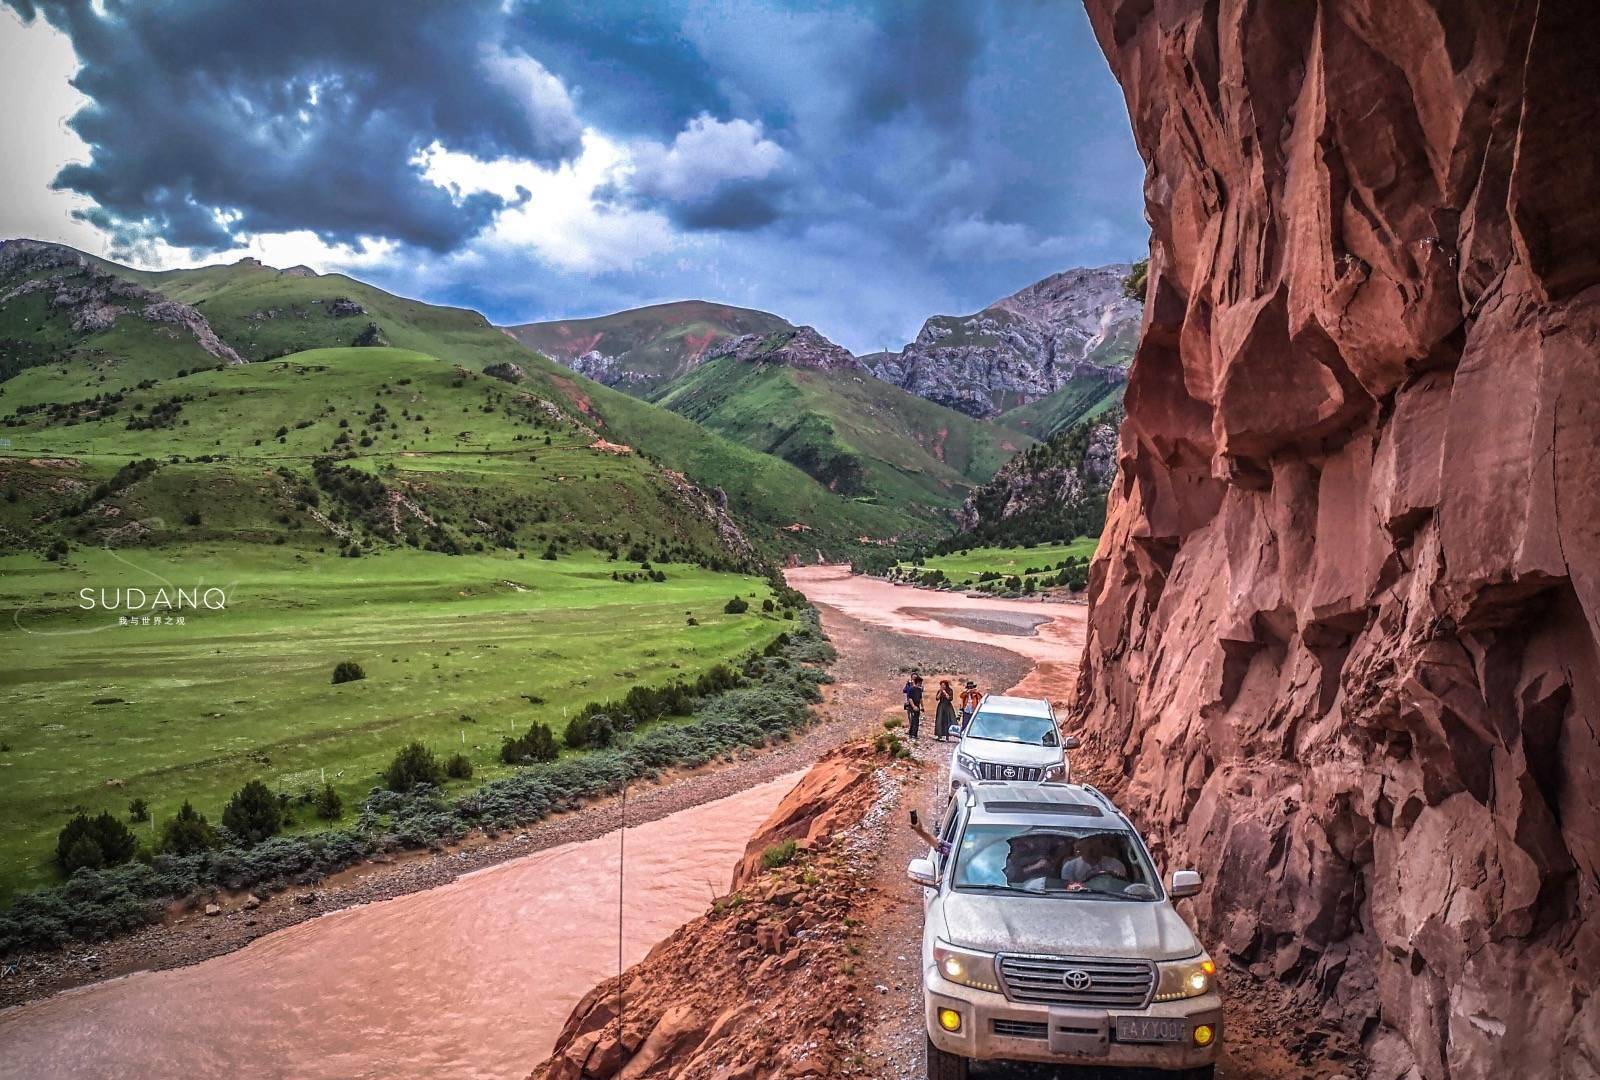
{"x": 1008, "y": 727}
{"x": 1083, "y": 863}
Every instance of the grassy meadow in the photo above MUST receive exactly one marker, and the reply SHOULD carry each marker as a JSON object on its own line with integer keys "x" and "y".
{"x": 93, "y": 714}
{"x": 965, "y": 567}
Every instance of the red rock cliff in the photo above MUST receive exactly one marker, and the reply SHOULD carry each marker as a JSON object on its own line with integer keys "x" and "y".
{"x": 1343, "y": 645}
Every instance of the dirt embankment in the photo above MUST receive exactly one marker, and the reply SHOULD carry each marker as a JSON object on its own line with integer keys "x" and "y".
{"x": 763, "y": 984}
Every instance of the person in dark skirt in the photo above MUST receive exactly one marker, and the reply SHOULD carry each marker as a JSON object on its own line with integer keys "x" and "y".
{"x": 944, "y": 714}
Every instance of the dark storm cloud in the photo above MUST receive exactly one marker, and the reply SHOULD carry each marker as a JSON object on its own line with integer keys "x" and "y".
{"x": 858, "y": 164}
{"x": 213, "y": 121}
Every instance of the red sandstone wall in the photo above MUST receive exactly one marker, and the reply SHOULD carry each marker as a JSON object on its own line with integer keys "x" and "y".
{"x": 1343, "y": 644}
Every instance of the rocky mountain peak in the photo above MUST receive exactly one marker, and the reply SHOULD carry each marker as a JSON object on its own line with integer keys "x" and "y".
{"x": 799, "y": 347}
{"x": 1022, "y": 347}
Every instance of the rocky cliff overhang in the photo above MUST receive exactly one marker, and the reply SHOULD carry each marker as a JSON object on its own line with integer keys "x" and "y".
{"x": 1343, "y": 646}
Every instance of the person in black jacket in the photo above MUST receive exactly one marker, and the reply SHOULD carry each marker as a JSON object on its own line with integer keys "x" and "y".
{"x": 913, "y": 694}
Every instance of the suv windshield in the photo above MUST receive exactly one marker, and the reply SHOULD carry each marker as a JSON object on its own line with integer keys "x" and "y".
{"x": 1085, "y": 863}
{"x": 1005, "y": 727}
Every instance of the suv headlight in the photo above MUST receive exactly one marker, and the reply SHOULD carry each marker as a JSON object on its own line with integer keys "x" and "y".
{"x": 1186, "y": 978}
{"x": 967, "y": 762}
{"x": 963, "y": 966}
{"x": 1055, "y": 772}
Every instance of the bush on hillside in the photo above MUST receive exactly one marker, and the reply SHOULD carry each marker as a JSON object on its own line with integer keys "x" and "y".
{"x": 138, "y": 810}
{"x": 537, "y": 744}
{"x": 737, "y": 606}
{"x": 459, "y": 767}
{"x": 327, "y": 803}
{"x": 94, "y": 842}
{"x": 253, "y": 814}
{"x": 413, "y": 765}
{"x": 187, "y": 834}
{"x": 347, "y": 671}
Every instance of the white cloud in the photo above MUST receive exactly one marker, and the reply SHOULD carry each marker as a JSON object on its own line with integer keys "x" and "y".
{"x": 704, "y": 156}
{"x": 552, "y": 117}
{"x": 36, "y": 60}
{"x": 555, "y": 211}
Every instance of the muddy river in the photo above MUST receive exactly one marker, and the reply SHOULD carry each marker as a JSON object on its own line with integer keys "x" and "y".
{"x": 470, "y": 980}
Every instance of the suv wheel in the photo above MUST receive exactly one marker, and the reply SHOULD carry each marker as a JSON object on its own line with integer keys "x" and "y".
{"x": 943, "y": 1066}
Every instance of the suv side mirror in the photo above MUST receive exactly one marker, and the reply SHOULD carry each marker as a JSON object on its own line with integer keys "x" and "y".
{"x": 1184, "y": 883}
{"x": 921, "y": 872}
{"x": 1071, "y": 742}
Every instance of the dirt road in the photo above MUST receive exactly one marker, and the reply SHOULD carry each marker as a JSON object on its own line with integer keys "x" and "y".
{"x": 1261, "y": 1022}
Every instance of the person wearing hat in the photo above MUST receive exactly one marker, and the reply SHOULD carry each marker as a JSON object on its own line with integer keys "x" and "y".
{"x": 969, "y": 703}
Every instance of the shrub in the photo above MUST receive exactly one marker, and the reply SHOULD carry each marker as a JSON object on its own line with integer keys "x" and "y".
{"x": 192, "y": 517}
{"x": 96, "y": 841}
{"x": 328, "y": 804}
{"x": 188, "y": 834}
{"x": 347, "y": 671}
{"x": 537, "y": 745}
{"x": 138, "y": 810}
{"x": 253, "y": 814}
{"x": 737, "y": 606}
{"x": 779, "y": 854}
{"x": 590, "y": 731}
{"x": 768, "y": 605}
{"x": 414, "y": 764}
{"x": 459, "y": 767}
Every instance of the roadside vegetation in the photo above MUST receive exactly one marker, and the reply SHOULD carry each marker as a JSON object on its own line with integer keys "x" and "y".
{"x": 767, "y": 697}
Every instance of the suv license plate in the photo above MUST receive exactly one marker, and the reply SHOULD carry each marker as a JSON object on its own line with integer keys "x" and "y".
{"x": 1151, "y": 1029}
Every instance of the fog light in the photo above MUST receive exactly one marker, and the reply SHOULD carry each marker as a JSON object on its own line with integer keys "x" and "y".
{"x": 1203, "y": 1034}
{"x": 950, "y": 1020}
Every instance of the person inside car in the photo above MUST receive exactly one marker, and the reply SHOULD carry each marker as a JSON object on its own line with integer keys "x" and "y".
{"x": 1096, "y": 855}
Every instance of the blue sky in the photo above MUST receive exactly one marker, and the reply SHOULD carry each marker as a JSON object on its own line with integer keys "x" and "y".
{"x": 856, "y": 166}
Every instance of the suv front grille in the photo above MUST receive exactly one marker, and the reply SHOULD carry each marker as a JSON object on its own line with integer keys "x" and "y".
{"x": 988, "y": 770}
{"x": 1087, "y": 982}
{"x": 1022, "y": 1029}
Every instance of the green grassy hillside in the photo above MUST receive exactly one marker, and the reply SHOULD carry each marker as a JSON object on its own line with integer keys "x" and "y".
{"x": 645, "y": 348}
{"x": 1084, "y": 397}
{"x": 858, "y": 435}
{"x": 263, "y": 313}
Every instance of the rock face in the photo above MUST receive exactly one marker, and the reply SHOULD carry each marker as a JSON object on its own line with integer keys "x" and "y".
{"x": 1021, "y": 348}
{"x": 1343, "y": 645}
{"x": 95, "y": 299}
{"x": 798, "y": 347}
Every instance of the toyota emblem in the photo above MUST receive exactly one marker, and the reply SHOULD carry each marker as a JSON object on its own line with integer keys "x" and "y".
{"x": 1077, "y": 979}
{"x": 1010, "y": 772}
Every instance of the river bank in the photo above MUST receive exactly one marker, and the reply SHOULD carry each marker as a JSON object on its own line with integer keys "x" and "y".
{"x": 867, "y": 674}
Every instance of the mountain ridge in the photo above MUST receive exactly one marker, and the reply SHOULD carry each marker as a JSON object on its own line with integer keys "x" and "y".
{"x": 1073, "y": 325}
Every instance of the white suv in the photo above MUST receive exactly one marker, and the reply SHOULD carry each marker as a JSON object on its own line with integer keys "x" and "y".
{"x": 1010, "y": 738}
{"x": 1048, "y": 937}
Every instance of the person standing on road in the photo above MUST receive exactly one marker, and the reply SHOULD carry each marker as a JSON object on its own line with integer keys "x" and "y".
{"x": 969, "y": 702}
{"x": 913, "y": 692}
{"x": 944, "y": 710}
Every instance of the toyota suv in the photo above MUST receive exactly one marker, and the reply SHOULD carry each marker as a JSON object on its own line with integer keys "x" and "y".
{"x": 1049, "y": 937}
{"x": 1010, "y": 738}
